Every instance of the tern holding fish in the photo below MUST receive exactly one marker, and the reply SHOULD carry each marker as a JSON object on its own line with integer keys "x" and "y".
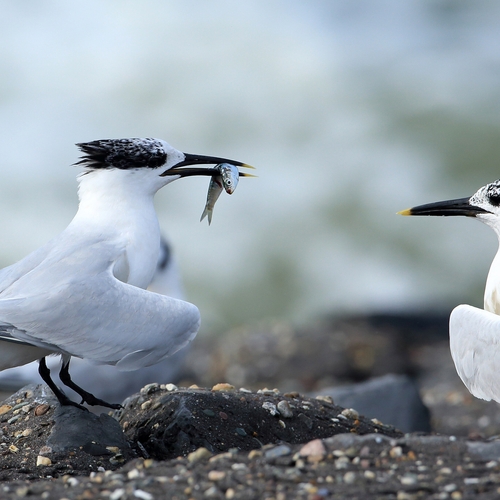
{"x": 83, "y": 293}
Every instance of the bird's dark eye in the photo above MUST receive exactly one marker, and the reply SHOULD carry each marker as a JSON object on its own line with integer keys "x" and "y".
{"x": 494, "y": 199}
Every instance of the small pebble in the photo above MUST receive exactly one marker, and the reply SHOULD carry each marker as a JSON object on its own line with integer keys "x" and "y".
{"x": 342, "y": 462}
{"x": 42, "y": 461}
{"x": 409, "y": 479}
{"x": 314, "y": 450}
{"x": 41, "y": 410}
{"x": 117, "y": 494}
{"x": 171, "y": 387}
{"x": 5, "y": 409}
{"x": 45, "y": 450}
{"x": 134, "y": 474}
{"x": 270, "y": 407}
{"x": 445, "y": 470}
{"x": 220, "y": 456}
{"x": 216, "y": 475}
{"x": 239, "y": 466}
{"x": 326, "y": 399}
{"x": 369, "y": 474}
{"x": 13, "y": 448}
{"x": 350, "y": 413}
{"x": 143, "y": 495}
{"x": 285, "y": 409}
{"x": 350, "y": 477}
{"x": 223, "y": 387}
{"x": 395, "y": 452}
{"x": 212, "y": 492}
{"x": 240, "y": 431}
{"x": 268, "y": 392}
{"x": 254, "y": 454}
{"x": 199, "y": 454}
{"x": 277, "y": 451}
{"x": 146, "y": 405}
{"x": 23, "y": 491}
{"x": 20, "y": 405}
{"x": 471, "y": 480}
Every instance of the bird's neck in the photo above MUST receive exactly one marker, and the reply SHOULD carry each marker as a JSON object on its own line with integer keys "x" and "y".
{"x": 117, "y": 209}
{"x": 492, "y": 289}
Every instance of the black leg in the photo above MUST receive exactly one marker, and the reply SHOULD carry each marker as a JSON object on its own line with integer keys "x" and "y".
{"x": 62, "y": 398}
{"x": 87, "y": 397}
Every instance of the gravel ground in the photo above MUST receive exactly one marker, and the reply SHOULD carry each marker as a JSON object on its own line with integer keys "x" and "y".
{"x": 229, "y": 443}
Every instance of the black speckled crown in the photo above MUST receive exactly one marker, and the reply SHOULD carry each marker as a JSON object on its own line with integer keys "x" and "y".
{"x": 122, "y": 153}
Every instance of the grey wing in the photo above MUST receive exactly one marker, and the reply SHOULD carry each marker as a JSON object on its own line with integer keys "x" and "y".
{"x": 10, "y": 274}
{"x": 103, "y": 320}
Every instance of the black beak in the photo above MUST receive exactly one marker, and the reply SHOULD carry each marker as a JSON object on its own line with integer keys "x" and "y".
{"x": 201, "y": 160}
{"x": 460, "y": 206}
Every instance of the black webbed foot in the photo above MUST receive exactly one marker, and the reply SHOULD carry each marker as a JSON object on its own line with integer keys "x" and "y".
{"x": 87, "y": 397}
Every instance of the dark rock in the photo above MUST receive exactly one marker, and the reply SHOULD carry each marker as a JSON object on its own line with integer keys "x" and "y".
{"x": 171, "y": 424}
{"x": 392, "y": 399}
{"x": 75, "y": 428}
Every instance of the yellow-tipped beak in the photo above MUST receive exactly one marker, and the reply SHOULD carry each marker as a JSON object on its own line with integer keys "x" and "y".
{"x": 246, "y": 165}
{"x": 407, "y": 211}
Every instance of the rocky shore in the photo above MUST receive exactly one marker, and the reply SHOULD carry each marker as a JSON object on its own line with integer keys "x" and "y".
{"x": 235, "y": 440}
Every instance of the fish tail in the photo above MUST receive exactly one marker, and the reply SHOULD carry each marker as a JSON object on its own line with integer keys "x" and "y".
{"x": 206, "y": 212}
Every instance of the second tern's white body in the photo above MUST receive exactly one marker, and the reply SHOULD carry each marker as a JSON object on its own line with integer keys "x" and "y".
{"x": 474, "y": 332}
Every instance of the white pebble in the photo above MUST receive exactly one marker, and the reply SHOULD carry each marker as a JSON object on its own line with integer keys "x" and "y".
{"x": 143, "y": 495}
{"x": 117, "y": 494}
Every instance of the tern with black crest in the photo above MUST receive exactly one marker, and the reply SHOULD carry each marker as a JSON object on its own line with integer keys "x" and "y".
{"x": 83, "y": 293}
{"x": 474, "y": 332}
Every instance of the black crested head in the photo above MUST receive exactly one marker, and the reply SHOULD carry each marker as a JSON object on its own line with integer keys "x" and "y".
{"x": 122, "y": 153}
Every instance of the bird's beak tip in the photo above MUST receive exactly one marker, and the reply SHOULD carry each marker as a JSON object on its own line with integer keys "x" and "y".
{"x": 406, "y": 211}
{"x": 246, "y": 165}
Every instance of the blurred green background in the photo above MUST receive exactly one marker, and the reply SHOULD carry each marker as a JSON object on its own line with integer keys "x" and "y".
{"x": 350, "y": 110}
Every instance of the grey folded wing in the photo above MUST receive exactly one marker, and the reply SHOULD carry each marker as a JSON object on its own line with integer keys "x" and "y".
{"x": 103, "y": 320}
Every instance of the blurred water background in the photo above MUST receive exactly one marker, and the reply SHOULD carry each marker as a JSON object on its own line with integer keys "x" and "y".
{"x": 350, "y": 110}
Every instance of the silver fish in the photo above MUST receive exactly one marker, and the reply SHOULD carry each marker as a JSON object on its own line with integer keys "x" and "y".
{"x": 228, "y": 180}
{"x": 214, "y": 191}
